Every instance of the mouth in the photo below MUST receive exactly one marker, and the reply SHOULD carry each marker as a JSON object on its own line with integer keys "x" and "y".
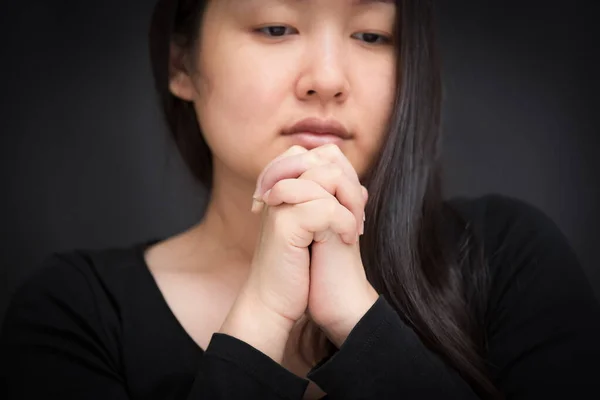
{"x": 313, "y": 132}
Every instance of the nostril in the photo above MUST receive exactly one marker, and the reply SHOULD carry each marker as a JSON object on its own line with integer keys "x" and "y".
{"x": 311, "y": 92}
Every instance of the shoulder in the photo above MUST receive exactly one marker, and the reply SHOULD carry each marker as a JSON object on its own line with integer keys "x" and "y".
{"x": 496, "y": 218}
{"x": 533, "y": 269}
{"x": 81, "y": 272}
{"x": 77, "y": 289}
{"x": 542, "y": 318}
{"x": 517, "y": 237}
{"x": 514, "y": 232}
{"x": 67, "y": 318}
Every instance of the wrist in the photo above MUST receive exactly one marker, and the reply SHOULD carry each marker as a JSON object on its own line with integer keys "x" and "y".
{"x": 251, "y": 322}
{"x": 338, "y": 331}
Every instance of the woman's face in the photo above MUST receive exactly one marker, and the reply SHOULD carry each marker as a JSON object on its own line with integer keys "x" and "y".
{"x": 264, "y": 65}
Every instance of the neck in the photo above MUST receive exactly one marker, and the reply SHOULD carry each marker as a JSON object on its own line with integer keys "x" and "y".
{"x": 228, "y": 223}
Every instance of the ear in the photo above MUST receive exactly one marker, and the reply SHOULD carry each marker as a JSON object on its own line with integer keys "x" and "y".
{"x": 180, "y": 79}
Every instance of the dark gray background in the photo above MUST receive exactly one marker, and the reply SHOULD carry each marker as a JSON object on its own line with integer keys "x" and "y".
{"x": 86, "y": 162}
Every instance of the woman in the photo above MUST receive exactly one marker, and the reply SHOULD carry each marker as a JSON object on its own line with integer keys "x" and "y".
{"x": 321, "y": 113}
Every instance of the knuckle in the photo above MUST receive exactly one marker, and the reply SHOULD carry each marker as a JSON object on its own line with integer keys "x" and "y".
{"x": 332, "y": 147}
{"x": 284, "y": 190}
{"x": 292, "y": 191}
{"x": 335, "y": 170}
{"x": 329, "y": 177}
{"x": 334, "y": 151}
{"x": 296, "y": 149}
{"x": 330, "y": 207}
{"x": 351, "y": 221}
{"x": 313, "y": 159}
{"x": 328, "y": 172}
{"x": 278, "y": 188}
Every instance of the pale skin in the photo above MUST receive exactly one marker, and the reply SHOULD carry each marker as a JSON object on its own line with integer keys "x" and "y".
{"x": 226, "y": 273}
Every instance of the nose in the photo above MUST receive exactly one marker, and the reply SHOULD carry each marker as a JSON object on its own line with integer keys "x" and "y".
{"x": 324, "y": 76}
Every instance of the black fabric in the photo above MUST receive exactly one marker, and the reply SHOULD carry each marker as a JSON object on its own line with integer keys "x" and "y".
{"x": 94, "y": 325}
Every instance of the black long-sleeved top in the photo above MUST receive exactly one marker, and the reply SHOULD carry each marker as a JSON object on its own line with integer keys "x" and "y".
{"x": 94, "y": 325}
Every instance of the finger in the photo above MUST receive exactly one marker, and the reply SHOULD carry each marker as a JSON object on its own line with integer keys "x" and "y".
{"x": 326, "y": 214}
{"x": 333, "y": 179}
{"x": 257, "y": 203}
{"x": 286, "y": 168}
{"x": 296, "y": 165}
{"x": 299, "y": 192}
{"x": 292, "y": 151}
{"x": 294, "y": 191}
{"x": 334, "y": 154}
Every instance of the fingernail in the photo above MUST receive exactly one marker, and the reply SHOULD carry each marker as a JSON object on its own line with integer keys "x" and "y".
{"x": 364, "y": 216}
{"x": 256, "y": 206}
{"x": 362, "y": 228}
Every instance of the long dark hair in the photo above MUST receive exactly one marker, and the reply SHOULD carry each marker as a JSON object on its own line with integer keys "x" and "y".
{"x": 417, "y": 251}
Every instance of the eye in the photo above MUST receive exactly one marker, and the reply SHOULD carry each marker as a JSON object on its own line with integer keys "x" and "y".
{"x": 276, "y": 30}
{"x": 372, "y": 38}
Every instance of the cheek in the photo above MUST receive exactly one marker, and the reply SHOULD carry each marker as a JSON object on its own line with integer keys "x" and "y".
{"x": 245, "y": 90}
{"x": 372, "y": 104}
{"x": 238, "y": 97}
{"x": 238, "y": 106}
{"x": 375, "y": 100}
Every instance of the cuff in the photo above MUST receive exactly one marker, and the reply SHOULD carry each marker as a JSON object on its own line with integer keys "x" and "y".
{"x": 344, "y": 368}
{"x": 257, "y": 364}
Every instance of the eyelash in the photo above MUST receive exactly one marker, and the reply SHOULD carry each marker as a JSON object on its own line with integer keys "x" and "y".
{"x": 383, "y": 39}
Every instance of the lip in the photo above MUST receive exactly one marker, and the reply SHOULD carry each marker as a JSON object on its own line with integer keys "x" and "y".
{"x": 311, "y": 140}
{"x": 319, "y": 127}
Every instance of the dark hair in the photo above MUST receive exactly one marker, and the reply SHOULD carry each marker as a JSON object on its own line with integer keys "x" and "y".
{"x": 436, "y": 278}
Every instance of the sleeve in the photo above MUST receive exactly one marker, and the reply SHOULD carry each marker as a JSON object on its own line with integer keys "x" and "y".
{"x": 383, "y": 358}
{"x": 54, "y": 344}
{"x": 543, "y": 329}
{"x": 232, "y": 369}
{"x": 544, "y": 324}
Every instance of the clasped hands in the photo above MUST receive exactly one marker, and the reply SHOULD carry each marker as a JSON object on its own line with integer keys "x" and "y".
{"x": 312, "y": 198}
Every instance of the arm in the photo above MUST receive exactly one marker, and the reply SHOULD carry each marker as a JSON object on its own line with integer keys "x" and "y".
{"x": 56, "y": 343}
{"x": 544, "y": 326}
{"x": 383, "y": 358}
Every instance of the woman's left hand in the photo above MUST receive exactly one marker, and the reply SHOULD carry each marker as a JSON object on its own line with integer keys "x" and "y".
{"x": 340, "y": 293}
